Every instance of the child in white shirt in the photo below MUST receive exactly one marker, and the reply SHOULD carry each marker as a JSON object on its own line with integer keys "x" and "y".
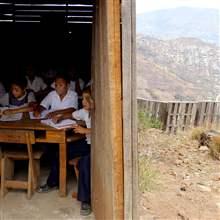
{"x": 34, "y": 83}
{"x": 60, "y": 101}
{"x": 80, "y": 149}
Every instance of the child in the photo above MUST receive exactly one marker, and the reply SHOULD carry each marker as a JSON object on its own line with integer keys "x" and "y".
{"x": 79, "y": 148}
{"x": 35, "y": 83}
{"x": 76, "y": 83}
{"x": 19, "y": 97}
{"x": 60, "y": 101}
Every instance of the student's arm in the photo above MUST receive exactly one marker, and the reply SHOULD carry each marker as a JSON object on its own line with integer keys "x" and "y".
{"x": 66, "y": 114}
{"x": 38, "y": 110}
{"x": 44, "y": 105}
{"x": 81, "y": 130}
{"x": 26, "y": 108}
{"x": 61, "y": 112}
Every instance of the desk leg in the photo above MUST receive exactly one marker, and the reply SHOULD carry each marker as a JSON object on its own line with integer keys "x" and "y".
{"x": 62, "y": 189}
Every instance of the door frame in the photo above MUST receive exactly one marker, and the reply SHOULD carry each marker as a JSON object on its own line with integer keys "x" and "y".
{"x": 128, "y": 30}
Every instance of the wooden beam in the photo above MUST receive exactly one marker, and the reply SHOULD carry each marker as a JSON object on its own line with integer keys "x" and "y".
{"x": 129, "y": 109}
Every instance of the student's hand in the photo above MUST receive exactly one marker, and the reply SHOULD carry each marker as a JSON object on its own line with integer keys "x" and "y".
{"x": 57, "y": 118}
{"x": 36, "y": 114}
{"x": 8, "y": 112}
{"x": 52, "y": 115}
{"x": 33, "y": 105}
{"x": 79, "y": 129}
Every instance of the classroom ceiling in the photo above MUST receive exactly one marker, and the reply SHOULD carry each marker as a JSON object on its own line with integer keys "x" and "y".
{"x": 39, "y": 11}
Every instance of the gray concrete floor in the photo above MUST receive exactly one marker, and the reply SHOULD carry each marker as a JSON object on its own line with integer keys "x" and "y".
{"x": 44, "y": 206}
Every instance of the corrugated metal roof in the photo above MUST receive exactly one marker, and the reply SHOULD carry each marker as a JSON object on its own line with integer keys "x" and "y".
{"x": 36, "y": 11}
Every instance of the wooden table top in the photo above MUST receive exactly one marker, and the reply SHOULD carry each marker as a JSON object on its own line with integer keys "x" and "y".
{"x": 29, "y": 124}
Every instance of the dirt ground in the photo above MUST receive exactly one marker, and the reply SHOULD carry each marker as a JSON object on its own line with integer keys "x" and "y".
{"x": 178, "y": 179}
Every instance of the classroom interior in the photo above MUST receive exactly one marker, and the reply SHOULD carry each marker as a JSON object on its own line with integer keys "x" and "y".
{"x": 49, "y": 36}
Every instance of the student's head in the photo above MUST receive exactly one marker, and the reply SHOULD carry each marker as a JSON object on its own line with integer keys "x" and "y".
{"x": 30, "y": 72}
{"x": 87, "y": 101}
{"x": 18, "y": 86}
{"x": 72, "y": 73}
{"x": 61, "y": 84}
{"x": 49, "y": 76}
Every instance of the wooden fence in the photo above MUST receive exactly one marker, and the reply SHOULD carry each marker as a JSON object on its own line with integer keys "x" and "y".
{"x": 176, "y": 116}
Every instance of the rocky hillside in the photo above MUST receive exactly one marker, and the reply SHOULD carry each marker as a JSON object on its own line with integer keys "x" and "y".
{"x": 178, "y": 69}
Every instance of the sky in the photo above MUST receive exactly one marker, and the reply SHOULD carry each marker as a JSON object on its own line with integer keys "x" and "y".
{"x": 152, "y": 5}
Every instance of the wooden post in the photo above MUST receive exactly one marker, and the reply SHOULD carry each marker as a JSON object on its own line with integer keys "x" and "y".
{"x": 107, "y": 145}
{"x": 131, "y": 192}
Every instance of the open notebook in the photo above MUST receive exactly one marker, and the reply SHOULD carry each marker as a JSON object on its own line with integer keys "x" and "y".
{"x": 13, "y": 117}
{"x": 67, "y": 123}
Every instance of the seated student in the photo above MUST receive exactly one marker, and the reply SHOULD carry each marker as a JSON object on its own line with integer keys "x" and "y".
{"x": 79, "y": 148}
{"x": 48, "y": 77}
{"x": 19, "y": 97}
{"x": 35, "y": 83}
{"x": 61, "y": 100}
{"x": 2, "y": 89}
{"x": 76, "y": 83}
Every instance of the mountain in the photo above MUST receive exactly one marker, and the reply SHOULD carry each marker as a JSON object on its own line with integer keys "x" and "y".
{"x": 178, "y": 69}
{"x": 201, "y": 23}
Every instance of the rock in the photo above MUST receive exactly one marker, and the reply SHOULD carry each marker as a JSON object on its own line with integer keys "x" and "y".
{"x": 199, "y": 162}
{"x": 173, "y": 173}
{"x": 182, "y": 216}
{"x": 183, "y": 188}
{"x": 197, "y": 174}
{"x": 180, "y": 194}
{"x": 178, "y": 162}
{"x": 216, "y": 176}
{"x": 203, "y": 148}
{"x": 186, "y": 161}
{"x": 204, "y": 188}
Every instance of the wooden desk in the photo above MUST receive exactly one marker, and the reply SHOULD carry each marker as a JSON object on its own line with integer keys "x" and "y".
{"x": 45, "y": 134}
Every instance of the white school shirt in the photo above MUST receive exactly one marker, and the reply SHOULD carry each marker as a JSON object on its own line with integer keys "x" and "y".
{"x": 52, "y": 101}
{"x": 83, "y": 115}
{"x": 2, "y": 89}
{"x": 89, "y": 83}
{"x": 4, "y": 100}
{"x": 72, "y": 85}
{"x": 37, "y": 84}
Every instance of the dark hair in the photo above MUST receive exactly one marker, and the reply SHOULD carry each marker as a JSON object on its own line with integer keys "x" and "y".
{"x": 20, "y": 81}
{"x": 63, "y": 76}
{"x": 87, "y": 90}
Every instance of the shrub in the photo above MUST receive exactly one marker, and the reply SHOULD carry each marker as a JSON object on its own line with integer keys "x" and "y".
{"x": 145, "y": 121}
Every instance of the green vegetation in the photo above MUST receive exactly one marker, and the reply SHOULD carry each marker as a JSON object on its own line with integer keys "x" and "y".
{"x": 145, "y": 121}
{"x": 147, "y": 175}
